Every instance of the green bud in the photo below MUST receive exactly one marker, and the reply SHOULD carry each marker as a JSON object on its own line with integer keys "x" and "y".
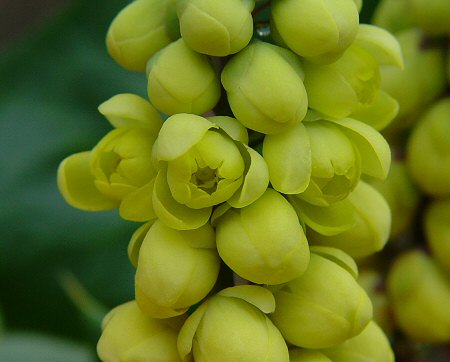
{"x": 231, "y": 326}
{"x": 176, "y": 269}
{"x": 181, "y": 80}
{"x": 401, "y": 195}
{"x": 339, "y": 88}
{"x": 307, "y": 355}
{"x": 264, "y": 85}
{"x": 419, "y": 294}
{"x": 335, "y": 164}
{"x": 263, "y": 242}
{"x": 322, "y": 40}
{"x": 118, "y": 172}
{"x": 393, "y": 16}
{"x": 413, "y": 88}
{"x": 201, "y": 166}
{"x": 141, "y": 29}
{"x": 370, "y": 345}
{"x": 129, "y": 335}
{"x": 437, "y": 230}
{"x": 323, "y": 307}
{"x": 217, "y": 28}
{"x": 372, "y": 224}
{"x": 428, "y": 150}
{"x": 431, "y": 16}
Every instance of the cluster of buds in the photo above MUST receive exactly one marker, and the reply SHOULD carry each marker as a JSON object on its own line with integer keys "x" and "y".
{"x": 413, "y": 306}
{"x": 245, "y": 168}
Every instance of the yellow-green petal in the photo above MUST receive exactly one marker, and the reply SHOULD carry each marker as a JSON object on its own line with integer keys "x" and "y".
{"x": 338, "y": 256}
{"x": 255, "y": 182}
{"x": 179, "y": 133}
{"x": 130, "y": 110}
{"x": 76, "y": 184}
{"x": 382, "y": 44}
{"x": 327, "y": 220}
{"x": 138, "y": 204}
{"x": 260, "y": 297}
{"x": 288, "y": 157}
{"x": 172, "y": 213}
{"x": 373, "y": 148}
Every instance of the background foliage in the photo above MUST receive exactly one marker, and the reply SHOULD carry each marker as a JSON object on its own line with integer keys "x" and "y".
{"x": 61, "y": 269}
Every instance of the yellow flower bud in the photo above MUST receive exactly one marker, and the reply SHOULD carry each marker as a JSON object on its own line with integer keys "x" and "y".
{"x": 323, "y": 307}
{"x": 316, "y": 29}
{"x": 263, "y": 242}
{"x": 370, "y": 345}
{"x": 129, "y": 335}
{"x": 339, "y": 88}
{"x": 428, "y": 150}
{"x": 216, "y": 28}
{"x": 231, "y": 326}
{"x": 265, "y": 88}
{"x": 141, "y": 29}
{"x": 176, "y": 269}
{"x": 118, "y": 172}
{"x": 413, "y": 88}
{"x": 437, "y": 230}
{"x": 320, "y": 160}
{"x": 372, "y": 224}
{"x": 181, "y": 80}
{"x": 419, "y": 294}
{"x": 201, "y": 166}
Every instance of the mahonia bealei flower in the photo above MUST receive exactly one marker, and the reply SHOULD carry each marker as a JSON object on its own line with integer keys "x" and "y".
{"x": 182, "y": 80}
{"x": 141, "y": 29}
{"x": 419, "y": 295}
{"x": 394, "y": 16}
{"x": 321, "y": 160}
{"x": 232, "y": 326}
{"x": 437, "y": 230}
{"x": 318, "y": 30}
{"x": 428, "y": 150}
{"x": 265, "y": 90}
{"x": 118, "y": 171}
{"x": 413, "y": 88}
{"x": 176, "y": 269}
{"x": 263, "y": 242}
{"x": 128, "y": 336}
{"x": 216, "y": 28}
{"x": 351, "y": 84}
{"x": 323, "y": 307}
{"x": 371, "y": 229}
{"x": 200, "y": 166}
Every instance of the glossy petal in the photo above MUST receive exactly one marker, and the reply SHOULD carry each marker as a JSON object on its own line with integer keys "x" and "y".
{"x": 288, "y": 157}
{"x": 76, "y": 184}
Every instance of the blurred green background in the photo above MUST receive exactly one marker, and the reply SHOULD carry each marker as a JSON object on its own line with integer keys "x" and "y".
{"x": 61, "y": 269}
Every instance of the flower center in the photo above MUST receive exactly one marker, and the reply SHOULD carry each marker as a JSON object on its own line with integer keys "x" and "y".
{"x": 109, "y": 162}
{"x": 206, "y": 178}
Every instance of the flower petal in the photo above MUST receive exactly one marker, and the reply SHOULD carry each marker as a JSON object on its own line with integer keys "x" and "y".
{"x": 288, "y": 157}
{"x": 76, "y": 184}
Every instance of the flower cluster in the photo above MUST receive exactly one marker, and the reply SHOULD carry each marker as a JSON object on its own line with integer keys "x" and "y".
{"x": 410, "y": 281}
{"x": 245, "y": 167}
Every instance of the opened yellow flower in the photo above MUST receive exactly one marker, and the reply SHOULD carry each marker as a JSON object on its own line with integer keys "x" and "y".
{"x": 118, "y": 171}
{"x": 200, "y": 166}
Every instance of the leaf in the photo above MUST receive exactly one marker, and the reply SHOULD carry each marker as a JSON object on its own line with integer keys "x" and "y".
{"x": 26, "y": 347}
